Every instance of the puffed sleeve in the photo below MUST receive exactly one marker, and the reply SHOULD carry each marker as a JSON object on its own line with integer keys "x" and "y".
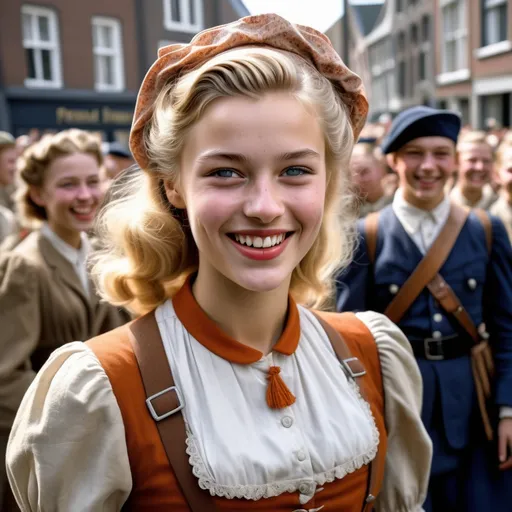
{"x": 67, "y": 449}
{"x": 409, "y": 447}
{"x": 20, "y": 322}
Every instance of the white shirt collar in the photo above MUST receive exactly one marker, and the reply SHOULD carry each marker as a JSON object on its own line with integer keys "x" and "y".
{"x": 411, "y": 217}
{"x": 77, "y": 257}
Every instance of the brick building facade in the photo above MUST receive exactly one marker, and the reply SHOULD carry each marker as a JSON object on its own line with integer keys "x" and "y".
{"x": 79, "y": 64}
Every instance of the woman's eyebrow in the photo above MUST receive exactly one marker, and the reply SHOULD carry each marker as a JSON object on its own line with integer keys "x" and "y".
{"x": 224, "y": 155}
{"x": 301, "y": 153}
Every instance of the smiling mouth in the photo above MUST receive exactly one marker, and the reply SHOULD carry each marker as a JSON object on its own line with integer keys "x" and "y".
{"x": 260, "y": 242}
{"x": 83, "y": 210}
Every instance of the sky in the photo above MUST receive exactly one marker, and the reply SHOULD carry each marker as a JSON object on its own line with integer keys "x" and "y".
{"x": 319, "y": 14}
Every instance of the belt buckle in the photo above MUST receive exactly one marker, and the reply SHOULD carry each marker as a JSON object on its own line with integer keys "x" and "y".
{"x": 439, "y": 356}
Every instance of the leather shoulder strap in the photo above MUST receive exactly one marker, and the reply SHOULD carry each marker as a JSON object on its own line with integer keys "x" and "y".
{"x": 429, "y": 265}
{"x": 356, "y": 371}
{"x": 484, "y": 218}
{"x": 165, "y": 402}
{"x": 371, "y": 227}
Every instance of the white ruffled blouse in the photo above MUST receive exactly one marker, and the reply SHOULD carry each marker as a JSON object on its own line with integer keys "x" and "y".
{"x": 67, "y": 449}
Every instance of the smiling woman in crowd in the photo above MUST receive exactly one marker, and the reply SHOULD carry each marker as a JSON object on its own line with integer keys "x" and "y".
{"x": 46, "y": 297}
{"x": 234, "y": 224}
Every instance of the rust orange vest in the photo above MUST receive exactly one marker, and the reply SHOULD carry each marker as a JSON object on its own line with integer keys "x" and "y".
{"x": 155, "y": 487}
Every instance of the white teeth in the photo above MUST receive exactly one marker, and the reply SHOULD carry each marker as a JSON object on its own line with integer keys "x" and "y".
{"x": 82, "y": 211}
{"x": 259, "y": 242}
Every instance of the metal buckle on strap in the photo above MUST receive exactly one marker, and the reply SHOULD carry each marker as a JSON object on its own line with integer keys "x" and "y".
{"x": 348, "y": 369}
{"x": 152, "y": 410}
{"x": 438, "y": 354}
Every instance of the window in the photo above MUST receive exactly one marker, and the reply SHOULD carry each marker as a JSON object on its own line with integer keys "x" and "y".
{"x": 401, "y": 42}
{"x": 414, "y": 34}
{"x": 41, "y": 44}
{"x": 425, "y": 29}
{"x": 454, "y": 36}
{"x": 424, "y": 59}
{"x": 402, "y": 79}
{"x": 494, "y": 21}
{"x": 108, "y": 54}
{"x": 183, "y": 15}
{"x": 383, "y": 73}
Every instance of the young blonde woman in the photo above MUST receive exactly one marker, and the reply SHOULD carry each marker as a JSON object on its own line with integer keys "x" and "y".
{"x": 234, "y": 224}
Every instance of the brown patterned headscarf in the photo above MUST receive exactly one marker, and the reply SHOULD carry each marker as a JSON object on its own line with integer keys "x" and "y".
{"x": 265, "y": 29}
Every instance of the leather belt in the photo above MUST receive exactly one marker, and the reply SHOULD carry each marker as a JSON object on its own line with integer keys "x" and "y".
{"x": 439, "y": 349}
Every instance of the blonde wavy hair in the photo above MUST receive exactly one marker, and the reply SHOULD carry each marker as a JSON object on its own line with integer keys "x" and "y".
{"x": 33, "y": 165}
{"x": 148, "y": 252}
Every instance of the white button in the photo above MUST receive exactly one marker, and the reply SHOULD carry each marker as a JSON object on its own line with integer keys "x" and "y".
{"x": 393, "y": 288}
{"x": 437, "y": 334}
{"x": 472, "y": 284}
{"x": 287, "y": 421}
{"x": 306, "y": 488}
{"x": 301, "y": 456}
{"x": 438, "y": 317}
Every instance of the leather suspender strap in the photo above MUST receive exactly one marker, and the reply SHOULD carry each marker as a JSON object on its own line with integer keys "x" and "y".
{"x": 165, "y": 403}
{"x": 371, "y": 226}
{"x": 449, "y": 301}
{"x": 356, "y": 370}
{"x": 485, "y": 220}
{"x": 429, "y": 265}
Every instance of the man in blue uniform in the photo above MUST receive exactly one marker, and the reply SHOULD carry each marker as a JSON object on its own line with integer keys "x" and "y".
{"x": 469, "y": 473}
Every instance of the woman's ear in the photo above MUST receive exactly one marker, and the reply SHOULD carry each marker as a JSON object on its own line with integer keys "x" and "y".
{"x": 36, "y": 195}
{"x": 173, "y": 195}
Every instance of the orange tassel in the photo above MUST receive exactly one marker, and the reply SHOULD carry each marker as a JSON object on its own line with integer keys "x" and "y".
{"x": 278, "y": 394}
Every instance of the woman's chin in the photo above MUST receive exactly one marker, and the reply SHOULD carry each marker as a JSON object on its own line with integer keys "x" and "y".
{"x": 261, "y": 281}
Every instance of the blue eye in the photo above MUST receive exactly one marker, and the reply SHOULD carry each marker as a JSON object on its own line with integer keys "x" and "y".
{"x": 295, "y": 171}
{"x": 224, "y": 173}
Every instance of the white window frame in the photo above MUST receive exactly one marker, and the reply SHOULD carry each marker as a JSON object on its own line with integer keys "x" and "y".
{"x": 116, "y": 53}
{"x": 35, "y": 43}
{"x": 487, "y": 6}
{"x": 458, "y": 37}
{"x": 185, "y": 25}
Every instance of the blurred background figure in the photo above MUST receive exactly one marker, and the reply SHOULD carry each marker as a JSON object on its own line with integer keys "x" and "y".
{"x": 368, "y": 173}
{"x": 502, "y": 208}
{"x": 8, "y": 156}
{"x": 475, "y": 171}
{"x": 47, "y": 298}
{"x": 117, "y": 158}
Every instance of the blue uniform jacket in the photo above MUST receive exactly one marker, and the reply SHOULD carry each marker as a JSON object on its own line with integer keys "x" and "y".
{"x": 483, "y": 284}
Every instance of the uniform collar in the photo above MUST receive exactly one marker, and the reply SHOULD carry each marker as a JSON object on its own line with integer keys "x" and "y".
{"x": 411, "y": 217}
{"x": 207, "y": 332}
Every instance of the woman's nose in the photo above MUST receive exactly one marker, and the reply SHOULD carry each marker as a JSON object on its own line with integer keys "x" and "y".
{"x": 264, "y": 202}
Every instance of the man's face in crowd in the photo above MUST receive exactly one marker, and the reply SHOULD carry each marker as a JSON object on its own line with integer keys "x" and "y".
{"x": 423, "y": 166}
{"x": 475, "y": 165}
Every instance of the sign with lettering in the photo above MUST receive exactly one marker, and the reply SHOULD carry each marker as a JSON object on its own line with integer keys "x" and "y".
{"x": 58, "y": 115}
{"x": 92, "y": 116}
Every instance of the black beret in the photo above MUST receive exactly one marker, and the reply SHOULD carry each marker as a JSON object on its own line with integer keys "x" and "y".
{"x": 367, "y": 140}
{"x": 117, "y": 149}
{"x": 418, "y": 122}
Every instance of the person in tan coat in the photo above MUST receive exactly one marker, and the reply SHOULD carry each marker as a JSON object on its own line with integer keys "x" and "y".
{"x": 46, "y": 296}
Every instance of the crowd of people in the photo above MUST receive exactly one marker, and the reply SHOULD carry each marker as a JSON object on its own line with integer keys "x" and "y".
{"x": 225, "y": 283}
{"x": 482, "y": 177}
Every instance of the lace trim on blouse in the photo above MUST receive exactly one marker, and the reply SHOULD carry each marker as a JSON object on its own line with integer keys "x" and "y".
{"x": 272, "y": 489}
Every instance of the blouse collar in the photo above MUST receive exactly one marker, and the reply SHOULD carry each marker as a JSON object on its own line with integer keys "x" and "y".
{"x": 207, "y": 332}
